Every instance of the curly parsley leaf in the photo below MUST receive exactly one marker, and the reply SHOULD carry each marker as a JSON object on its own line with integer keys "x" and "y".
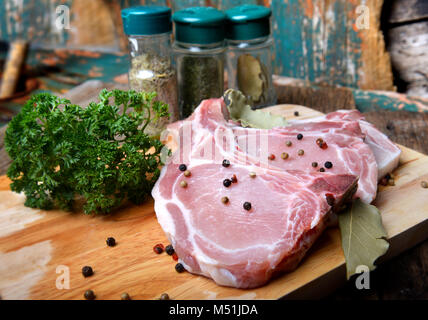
{"x": 61, "y": 152}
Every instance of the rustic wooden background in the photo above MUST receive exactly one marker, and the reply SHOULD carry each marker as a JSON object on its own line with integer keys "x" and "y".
{"x": 316, "y": 40}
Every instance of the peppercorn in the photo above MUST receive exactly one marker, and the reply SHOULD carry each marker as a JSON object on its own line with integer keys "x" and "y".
{"x": 314, "y": 164}
{"x": 284, "y": 155}
{"x": 383, "y": 181}
{"x": 391, "y": 182}
{"x": 234, "y": 179}
{"x": 301, "y": 152}
{"x": 164, "y": 296}
{"x": 252, "y": 174}
{"x": 387, "y": 176}
{"x": 271, "y": 157}
{"x": 158, "y": 248}
{"x": 319, "y": 141}
{"x": 328, "y": 165}
{"x": 322, "y": 169}
{"x": 183, "y": 184}
{"x": 424, "y": 184}
{"x": 227, "y": 183}
{"x": 296, "y": 113}
{"x": 87, "y": 271}
{"x": 330, "y": 199}
{"x": 324, "y": 145}
{"x": 247, "y": 206}
{"x": 225, "y": 200}
{"x": 89, "y": 295}
{"x": 179, "y": 268}
{"x": 187, "y": 173}
{"x": 169, "y": 249}
{"x": 299, "y": 136}
{"x": 125, "y": 296}
{"x": 226, "y": 163}
{"x": 288, "y": 143}
{"x": 182, "y": 167}
{"x": 111, "y": 242}
{"x": 174, "y": 256}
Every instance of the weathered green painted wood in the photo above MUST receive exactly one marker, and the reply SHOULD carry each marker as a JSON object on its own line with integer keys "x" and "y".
{"x": 367, "y": 100}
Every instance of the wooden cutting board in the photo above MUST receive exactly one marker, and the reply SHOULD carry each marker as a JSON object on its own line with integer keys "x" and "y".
{"x": 36, "y": 244}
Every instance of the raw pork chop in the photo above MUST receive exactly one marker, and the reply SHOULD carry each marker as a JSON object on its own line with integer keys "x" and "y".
{"x": 387, "y": 154}
{"x": 346, "y": 149}
{"x": 238, "y": 247}
{"x": 224, "y": 241}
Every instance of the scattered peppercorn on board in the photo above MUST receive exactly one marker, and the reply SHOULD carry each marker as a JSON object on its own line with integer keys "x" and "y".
{"x": 42, "y": 253}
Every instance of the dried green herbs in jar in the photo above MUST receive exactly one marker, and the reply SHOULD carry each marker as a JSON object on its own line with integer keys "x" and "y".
{"x": 200, "y": 78}
{"x": 149, "y": 33}
{"x": 150, "y": 72}
{"x": 199, "y": 53}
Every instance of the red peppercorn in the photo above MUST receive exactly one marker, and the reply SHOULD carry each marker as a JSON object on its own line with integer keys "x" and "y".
{"x": 158, "y": 248}
{"x": 234, "y": 179}
{"x": 271, "y": 157}
{"x": 174, "y": 256}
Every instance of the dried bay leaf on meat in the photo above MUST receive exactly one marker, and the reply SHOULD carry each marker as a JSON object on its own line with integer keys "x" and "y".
{"x": 363, "y": 236}
{"x": 240, "y": 111}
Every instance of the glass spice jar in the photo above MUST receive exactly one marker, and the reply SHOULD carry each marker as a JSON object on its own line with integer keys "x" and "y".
{"x": 249, "y": 56}
{"x": 199, "y": 56}
{"x": 149, "y": 33}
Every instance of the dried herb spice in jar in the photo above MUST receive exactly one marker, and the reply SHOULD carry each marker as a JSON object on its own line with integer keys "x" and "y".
{"x": 249, "y": 62}
{"x": 149, "y": 33}
{"x": 199, "y": 55}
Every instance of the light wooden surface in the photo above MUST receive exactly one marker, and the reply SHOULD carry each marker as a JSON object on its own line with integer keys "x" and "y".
{"x": 33, "y": 243}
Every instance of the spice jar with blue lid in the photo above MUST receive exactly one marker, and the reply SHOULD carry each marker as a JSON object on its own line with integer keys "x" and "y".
{"x": 199, "y": 56}
{"x": 148, "y": 29}
{"x": 249, "y": 56}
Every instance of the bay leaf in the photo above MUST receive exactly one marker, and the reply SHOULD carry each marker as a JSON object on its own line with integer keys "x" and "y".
{"x": 250, "y": 77}
{"x": 240, "y": 111}
{"x": 363, "y": 236}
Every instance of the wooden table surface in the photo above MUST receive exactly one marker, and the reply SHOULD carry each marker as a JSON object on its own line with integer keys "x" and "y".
{"x": 406, "y": 276}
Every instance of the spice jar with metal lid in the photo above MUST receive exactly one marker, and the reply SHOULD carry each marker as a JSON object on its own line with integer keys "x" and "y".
{"x": 199, "y": 56}
{"x": 249, "y": 56}
{"x": 151, "y": 70}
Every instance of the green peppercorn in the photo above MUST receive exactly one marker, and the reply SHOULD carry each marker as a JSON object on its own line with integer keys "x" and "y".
{"x": 252, "y": 174}
{"x": 125, "y": 296}
{"x": 183, "y": 184}
{"x": 187, "y": 173}
{"x": 314, "y": 164}
{"x": 225, "y": 200}
{"x": 391, "y": 182}
{"x": 424, "y": 184}
{"x": 284, "y": 155}
{"x": 288, "y": 143}
{"x": 301, "y": 152}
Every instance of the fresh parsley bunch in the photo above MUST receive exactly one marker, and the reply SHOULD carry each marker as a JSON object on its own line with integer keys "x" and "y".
{"x": 100, "y": 154}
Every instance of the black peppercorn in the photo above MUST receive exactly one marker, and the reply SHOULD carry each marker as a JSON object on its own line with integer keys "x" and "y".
{"x": 226, "y": 163}
{"x": 299, "y": 136}
{"x": 330, "y": 199}
{"x": 227, "y": 182}
{"x": 89, "y": 295}
{"x": 164, "y": 296}
{"x": 296, "y": 113}
{"x": 87, "y": 271}
{"x": 111, "y": 242}
{"x": 179, "y": 268}
{"x": 182, "y": 167}
{"x": 247, "y": 206}
{"x": 169, "y": 249}
{"x": 328, "y": 165}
